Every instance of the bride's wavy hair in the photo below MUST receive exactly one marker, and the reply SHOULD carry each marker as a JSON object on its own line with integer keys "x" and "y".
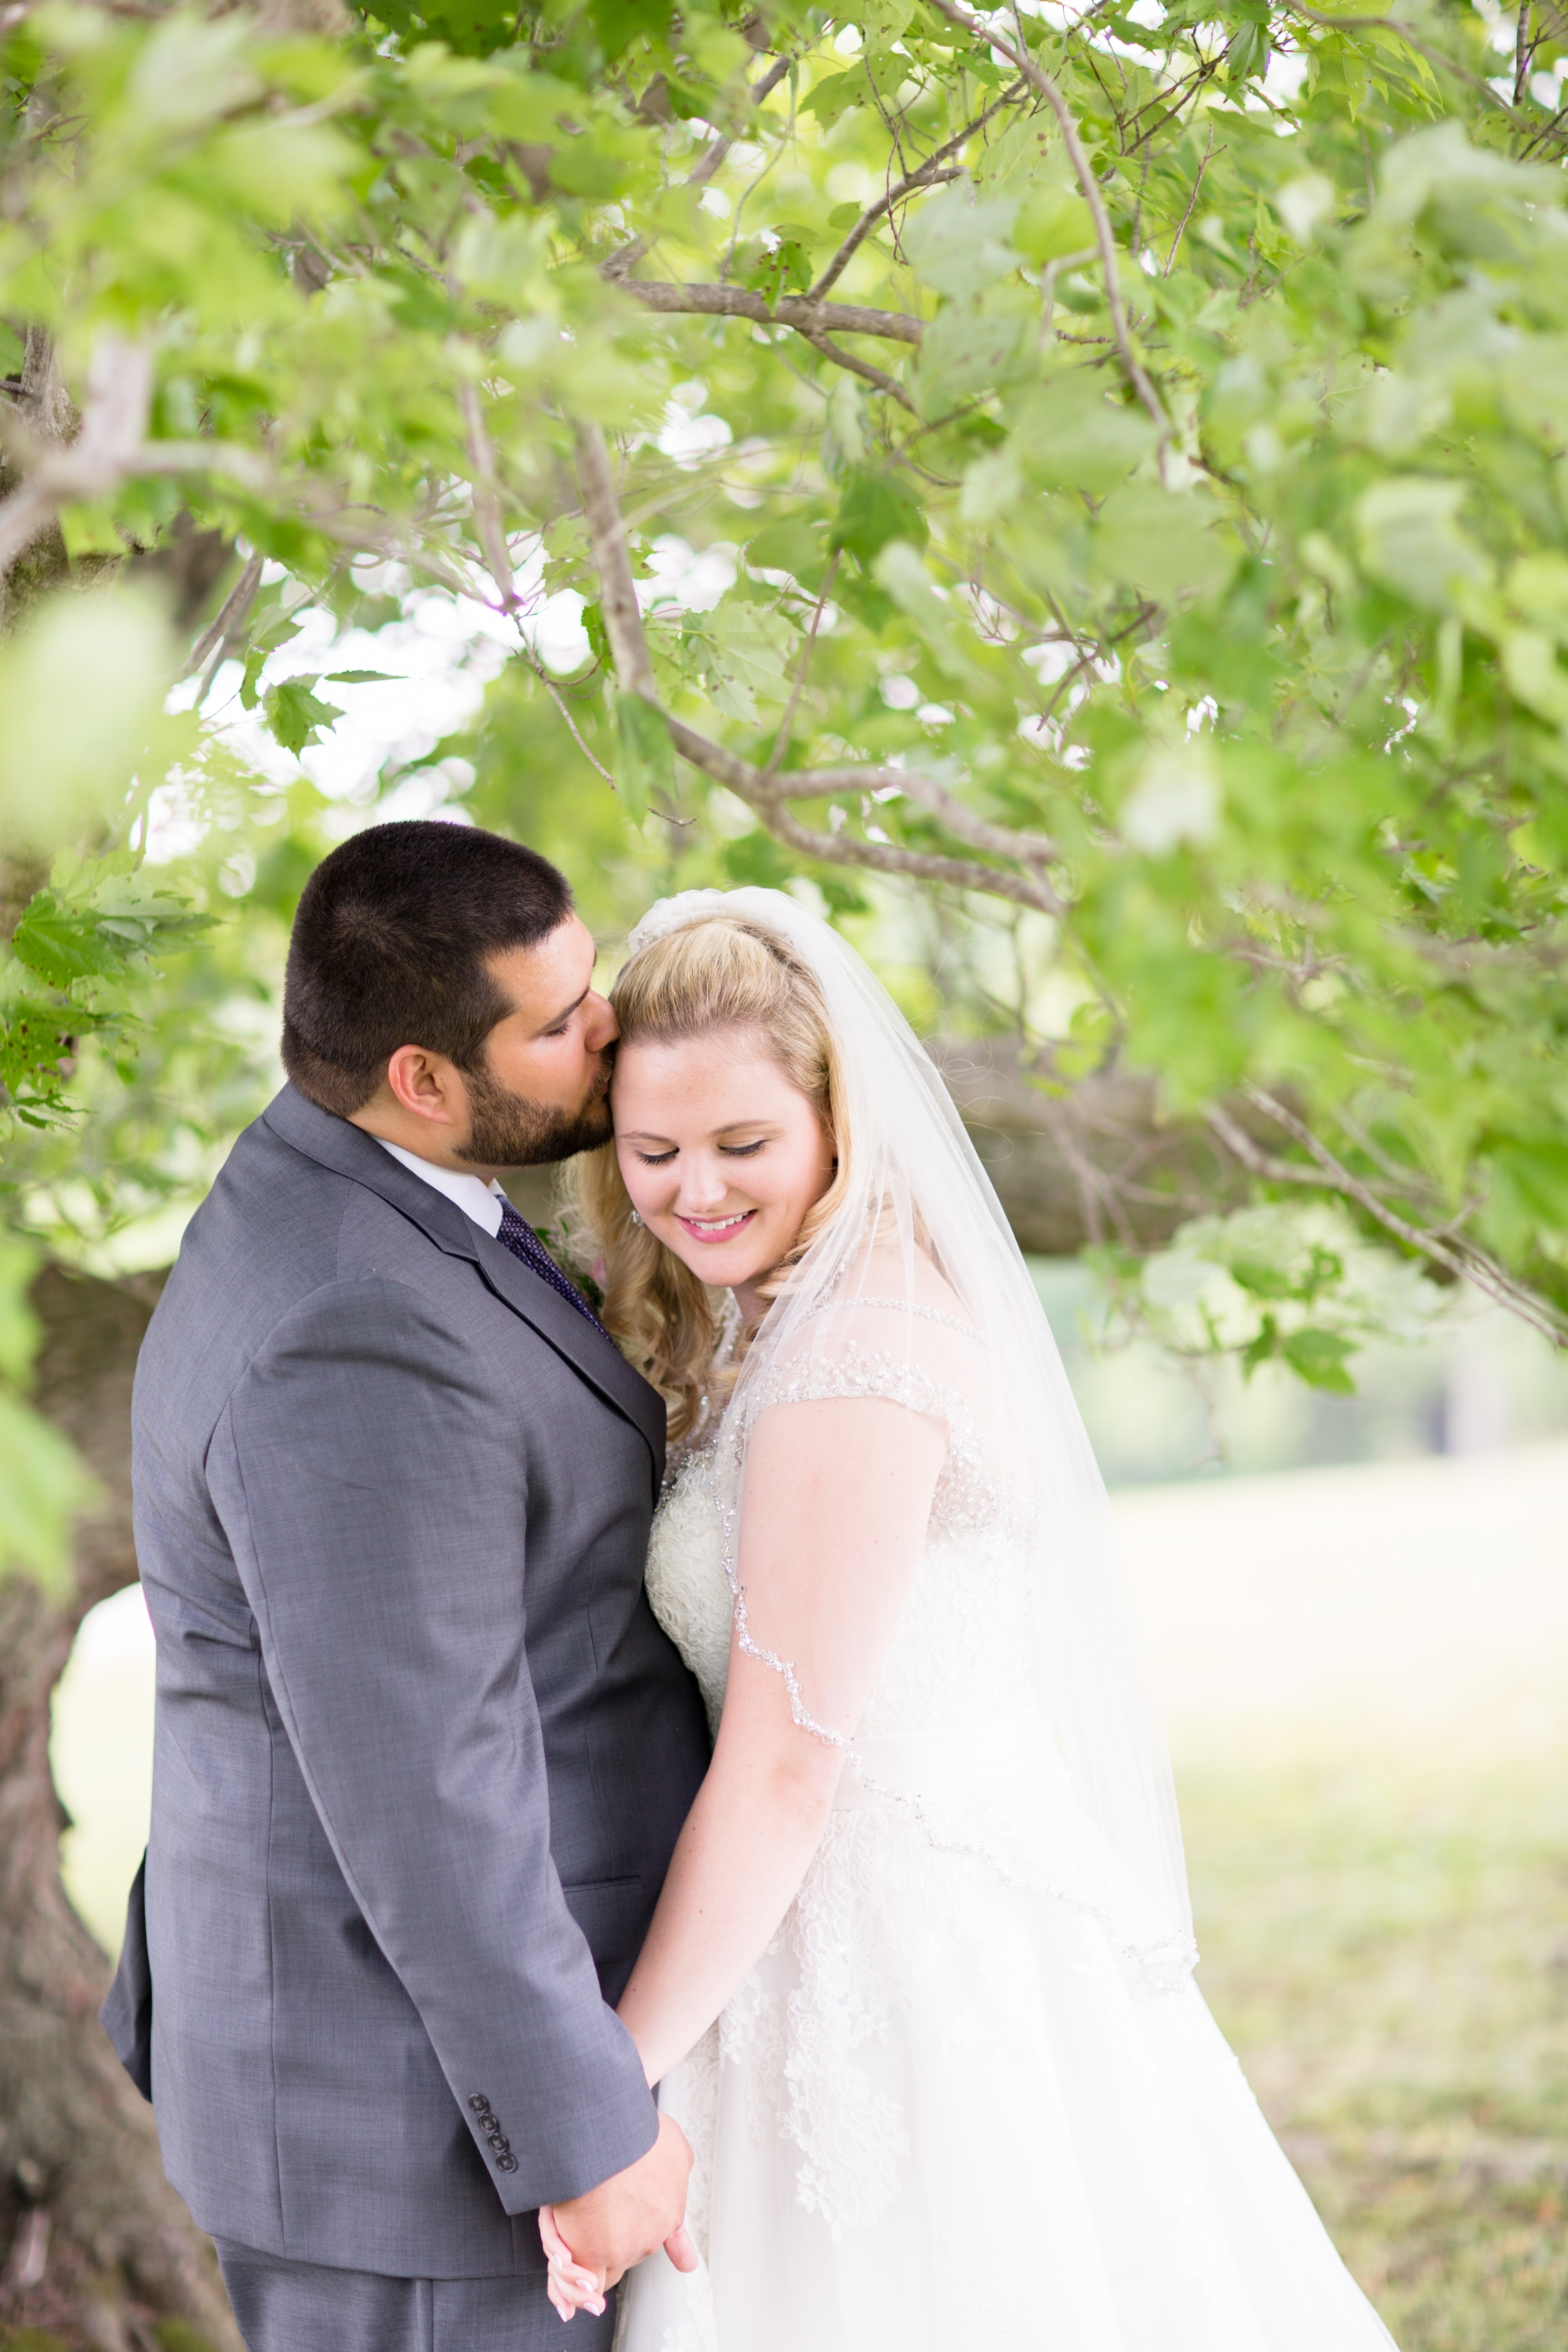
{"x": 719, "y": 972}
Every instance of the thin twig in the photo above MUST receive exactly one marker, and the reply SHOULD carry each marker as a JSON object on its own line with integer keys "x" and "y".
{"x": 487, "y": 506}
{"x": 1523, "y": 51}
{"x": 627, "y": 255}
{"x": 1407, "y": 34}
{"x": 769, "y": 796}
{"x": 231, "y": 613}
{"x": 927, "y": 176}
{"x": 1191, "y": 200}
{"x": 1036, "y": 75}
{"x": 862, "y": 368}
{"x": 618, "y": 604}
{"x": 559, "y": 699}
{"x": 795, "y": 310}
{"x": 1331, "y": 1174}
{"x": 1049, "y": 277}
{"x": 803, "y": 672}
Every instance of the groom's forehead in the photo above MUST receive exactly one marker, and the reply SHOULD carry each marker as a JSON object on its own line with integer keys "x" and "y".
{"x": 549, "y": 975}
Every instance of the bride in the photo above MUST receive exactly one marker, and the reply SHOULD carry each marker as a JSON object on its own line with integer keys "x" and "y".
{"x": 918, "y": 1984}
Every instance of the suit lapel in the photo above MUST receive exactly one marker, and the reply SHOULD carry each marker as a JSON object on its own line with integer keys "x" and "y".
{"x": 346, "y": 1149}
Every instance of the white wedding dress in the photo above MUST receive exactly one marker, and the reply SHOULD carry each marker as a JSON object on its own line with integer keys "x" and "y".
{"x": 969, "y": 2100}
{"x": 970, "y": 2095}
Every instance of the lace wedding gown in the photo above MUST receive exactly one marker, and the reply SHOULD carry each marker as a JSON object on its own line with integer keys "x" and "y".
{"x": 969, "y": 2096}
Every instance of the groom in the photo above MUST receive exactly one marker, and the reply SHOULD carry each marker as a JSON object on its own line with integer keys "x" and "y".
{"x": 422, "y": 1750}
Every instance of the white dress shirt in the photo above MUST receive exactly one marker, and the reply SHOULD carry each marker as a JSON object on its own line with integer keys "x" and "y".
{"x": 478, "y": 1199}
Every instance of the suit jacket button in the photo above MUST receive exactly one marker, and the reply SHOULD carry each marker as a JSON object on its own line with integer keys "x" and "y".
{"x": 506, "y": 2164}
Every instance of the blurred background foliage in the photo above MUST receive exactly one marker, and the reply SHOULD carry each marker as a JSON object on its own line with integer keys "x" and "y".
{"x": 1084, "y": 494}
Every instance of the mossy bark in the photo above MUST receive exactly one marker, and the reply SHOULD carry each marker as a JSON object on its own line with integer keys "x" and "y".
{"x": 97, "y": 2252}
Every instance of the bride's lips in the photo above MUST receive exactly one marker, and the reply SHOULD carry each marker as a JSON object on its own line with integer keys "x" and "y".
{"x": 716, "y": 1230}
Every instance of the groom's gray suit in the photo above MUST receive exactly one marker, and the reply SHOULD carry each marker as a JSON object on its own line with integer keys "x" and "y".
{"x": 422, "y": 1750}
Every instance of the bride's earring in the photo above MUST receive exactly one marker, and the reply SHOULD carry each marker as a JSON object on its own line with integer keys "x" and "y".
{"x": 636, "y": 1219}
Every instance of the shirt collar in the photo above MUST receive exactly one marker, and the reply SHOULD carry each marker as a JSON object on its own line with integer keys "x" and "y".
{"x": 478, "y": 1201}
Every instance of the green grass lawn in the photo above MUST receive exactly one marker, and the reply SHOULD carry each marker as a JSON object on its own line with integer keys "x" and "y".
{"x": 1385, "y": 1943}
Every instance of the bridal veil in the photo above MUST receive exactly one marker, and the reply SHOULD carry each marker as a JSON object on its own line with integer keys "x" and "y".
{"x": 916, "y": 1290}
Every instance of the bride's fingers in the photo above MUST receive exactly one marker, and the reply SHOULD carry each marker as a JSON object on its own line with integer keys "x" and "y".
{"x": 582, "y": 2285}
{"x": 574, "y": 2290}
{"x": 570, "y": 2285}
{"x": 555, "y": 2246}
{"x": 681, "y": 2248}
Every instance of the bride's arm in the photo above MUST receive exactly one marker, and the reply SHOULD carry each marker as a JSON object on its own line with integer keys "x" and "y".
{"x": 837, "y": 1497}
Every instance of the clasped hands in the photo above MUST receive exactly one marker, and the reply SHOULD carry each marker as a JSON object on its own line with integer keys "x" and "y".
{"x": 591, "y": 2241}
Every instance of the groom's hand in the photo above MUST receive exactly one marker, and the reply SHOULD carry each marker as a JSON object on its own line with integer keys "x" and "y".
{"x": 610, "y": 2228}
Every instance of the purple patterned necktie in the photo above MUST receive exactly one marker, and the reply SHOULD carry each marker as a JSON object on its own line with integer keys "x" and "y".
{"x": 518, "y": 1235}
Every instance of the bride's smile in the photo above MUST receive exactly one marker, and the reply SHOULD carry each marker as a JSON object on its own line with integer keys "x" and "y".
{"x": 720, "y": 1153}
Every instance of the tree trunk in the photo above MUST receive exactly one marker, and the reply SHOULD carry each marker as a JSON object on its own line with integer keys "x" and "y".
{"x": 103, "y": 2256}
{"x": 1096, "y": 1164}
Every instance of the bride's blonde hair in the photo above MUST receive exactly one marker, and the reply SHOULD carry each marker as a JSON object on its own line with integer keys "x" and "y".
{"x": 718, "y": 973}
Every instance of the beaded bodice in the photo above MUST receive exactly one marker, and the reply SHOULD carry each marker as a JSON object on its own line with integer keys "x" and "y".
{"x": 962, "y": 1649}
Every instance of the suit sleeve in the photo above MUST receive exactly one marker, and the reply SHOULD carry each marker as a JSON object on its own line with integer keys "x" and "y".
{"x": 378, "y": 1503}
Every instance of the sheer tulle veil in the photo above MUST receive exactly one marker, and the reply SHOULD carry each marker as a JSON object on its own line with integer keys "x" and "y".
{"x": 915, "y": 1184}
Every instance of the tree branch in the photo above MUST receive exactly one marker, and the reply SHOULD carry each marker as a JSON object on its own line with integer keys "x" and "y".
{"x": 1331, "y": 1175}
{"x": 612, "y": 558}
{"x": 106, "y": 448}
{"x": 768, "y": 795}
{"x": 863, "y": 369}
{"x": 797, "y": 311}
{"x": 803, "y": 670}
{"x": 1191, "y": 200}
{"x": 1037, "y": 77}
{"x": 1406, "y": 33}
{"x": 929, "y": 175}
{"x": 487, "y": 506}
{"x": 701, "y": 171}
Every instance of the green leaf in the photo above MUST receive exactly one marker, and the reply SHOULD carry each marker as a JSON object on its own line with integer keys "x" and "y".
{"x": 295, "y": 718}
{"x": 645, "y": 761}
{"x": 1410, "y": 538}
{"x": 1078, "y": 434}
{"x": 43, "y": 1485}
{"x": 1321, "y": 1358}
{"x": 250, "y": 684}
{"x": 875, "y": 509}
{"x": 834, "y": 95}
{"x": 34, "y": 1039}
{"x": 963, "y": 351}
{"x": 792, "y": 546}
{"x": 746, "y": 652}
{"x": 1163, "y": 543}
{"x": 361, "y": 677}
{"x": 958, "y": 246}
{"x": 63, "y": 944}
{"x": 619, "y": 23}
{"x": 1053, "y": 222}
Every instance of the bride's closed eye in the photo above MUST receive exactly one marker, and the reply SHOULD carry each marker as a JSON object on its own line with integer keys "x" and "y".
{"x": 727, "y": 1151}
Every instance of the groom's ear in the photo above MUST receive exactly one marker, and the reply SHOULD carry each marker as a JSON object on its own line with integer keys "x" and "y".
{"x": 429, "y": 1085}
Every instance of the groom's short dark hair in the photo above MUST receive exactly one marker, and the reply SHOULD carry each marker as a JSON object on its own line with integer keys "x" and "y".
{"x": 389, "y": 947}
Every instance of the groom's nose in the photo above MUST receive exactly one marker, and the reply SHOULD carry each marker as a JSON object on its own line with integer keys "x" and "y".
{"x": 600, "y": 1027}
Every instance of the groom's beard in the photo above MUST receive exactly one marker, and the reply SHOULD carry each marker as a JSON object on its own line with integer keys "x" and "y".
{"x": 507, "y": 1130}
